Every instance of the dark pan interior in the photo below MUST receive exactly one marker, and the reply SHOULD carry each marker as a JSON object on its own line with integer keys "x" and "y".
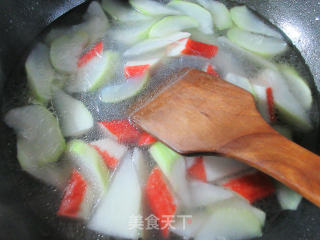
{"x": 27, "y": 207}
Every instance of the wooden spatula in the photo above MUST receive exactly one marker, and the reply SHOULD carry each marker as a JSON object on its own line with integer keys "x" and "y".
{"x": 200, "y": 113}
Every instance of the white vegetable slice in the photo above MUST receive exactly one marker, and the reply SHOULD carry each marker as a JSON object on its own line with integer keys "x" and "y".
{"x": 75, "y": 118}
{"x": 139, "y": 66}
{"x": 123, "y": 91}
{"x": 96, "y": 23}
{"x": 240, "y": 81}
{"x": 297, "y": 86}
{"x": 120, "y": 205}
{"x": 217, "y": 167}
{"x": 66, "y": 50}
{"x": 288, "y": 199}
{"x": 172, "y": 24}
{"x": 141, "y": 165}
{"x": 90, "y": 164}
{"x": 195, "y": 11}
{"x": 288, "y": 106}
{"x": 204, "y": 194}
{"x": 262, "y": 102}
{"x": 220, "y": 13}
{"x": 87, "y": 204}
{"x": 224, "y": 43}
{"x": 60, "y": 80}
{"x": 178, "y": 180}
{"x": 247, "y": 20}
{"x": 39, "y": 137}
{"x": 263, "y": 45}
{"x": 231, "y": 221}
{"x": 132, "y": 33}
{"x": 152, "y": 8}
{"x": 201, "y": 37}
{"x": 54, "y": 34}
{"x": 122, "y": 12}
{"x": 113, "y": 148}
{"x": 155, "y": 44}
{"x": 234, "y": 59}
{"x": 111, "y": 151}
{"x": 95, "y": 10}
{"x": 54, "y": 174}
{"x": 143, "y": 61}
{"x": 94, "y": 74}
{"x": 189, "y": 224}
{"x": 241, "y": 202}
{"x": 40, "y": 73}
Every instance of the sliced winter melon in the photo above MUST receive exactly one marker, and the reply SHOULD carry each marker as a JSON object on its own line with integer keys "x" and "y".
{"x": 154, "y": 44}
{"x": 66, "y": 50}
{"x": 164, "y": 156}
{"x": 152, "y": 8}
{"x": 246, "y": 20}
{"x": 172, "y": 24}
{"x": 220, "y": 13}
{"x": 126, "y": 90}
{"x": 90, "y": 164}
{"x": 240, "y": 81}
{"x": 40, "y": 73}
{"x": 263, "y": 45}
{"x": 205, "y": 194}
{"x": 39, "y": 137}
{"x": 288, "y": 106}
{"x": 75, "y": 118}
{"x": 120, "y": 205}
{"x": 122, "y": 12}
{"x": 288, "y": 199}
{"x": 232, "y": 221}
{"x": 93, "y": 75}
{"x": 96, "y": 23}
{"x": 195, "y": 11}
{"x": 131, "y": 33}
{"x": 297, "y": 86}
{"x": 190, "y": 223}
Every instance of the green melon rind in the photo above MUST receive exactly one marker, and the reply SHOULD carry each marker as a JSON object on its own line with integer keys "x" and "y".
{"x": 194, "y": 10}
{"x": 83, "y": 154}
{"x": 79, "y": 84}
{"x": 259, "y": 44}
{"x": 40, "y": 73}
{"x": 152, "y": 8}
{"x": 246, "y": 20}
{"x": 112, "y": 58}
{"x": 241, "y": 82}
{"x": 297, "y": 85}
{"x": 293, "y": 120}
{"x": 172, "y": 24}
{"x": 131, "y": 35}
{"x": 60, "y": 47}
{"x": 233, "y": 215}
{"x": 122, "y": 12}
{"x": 47, "y": 130}
{"x": 142, "y": 85}
{"x": 164, "y": 157}
{"x": 220, "y": 13}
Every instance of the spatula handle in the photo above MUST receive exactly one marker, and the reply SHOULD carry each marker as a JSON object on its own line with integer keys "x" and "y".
{"x": 281, "y": 158}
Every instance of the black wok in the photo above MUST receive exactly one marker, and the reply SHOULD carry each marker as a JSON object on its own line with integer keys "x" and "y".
{"x": 27, "y": 207}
